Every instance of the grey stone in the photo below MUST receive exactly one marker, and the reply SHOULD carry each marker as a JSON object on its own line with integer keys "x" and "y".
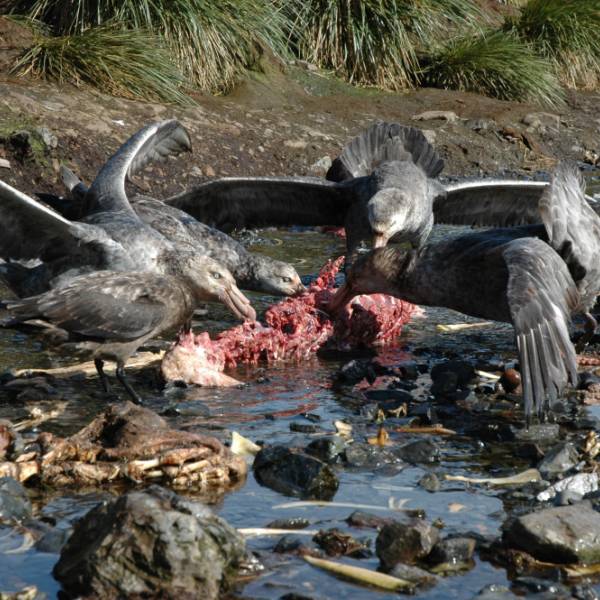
{"x": 153, "y": 544}
{"x": 430, "y": 482}
{"x": 321, "y": 166}
{"x": 453, "y": 550}
{"x": 405, "y": 542}
{"x": 565, "y": 534}
{"x": 414, "y": 574}
{"x": 542, "y": 433}
{"x": 542, "y": 122}
{"x": 49, "y": 139}
{"x": 495, "y": 592}
{"x": 14, "y": 502}
{"x": 419, "y": 451}
{"x": 328, "y": 448}
{"x": 559, "y": 459}
{"x": 294, "y": 473}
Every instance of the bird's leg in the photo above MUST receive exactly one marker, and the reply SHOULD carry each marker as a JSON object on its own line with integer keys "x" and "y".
{"x": 590, "y": 328}
{"x": 99, "y": 364}
{"x": 121, "y": 377}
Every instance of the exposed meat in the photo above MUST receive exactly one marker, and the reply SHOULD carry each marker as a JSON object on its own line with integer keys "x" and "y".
{"x": 295, "y": 328}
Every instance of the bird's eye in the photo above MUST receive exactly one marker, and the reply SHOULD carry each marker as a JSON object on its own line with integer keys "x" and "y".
{"x": 216, "y": 275}
{"x": 287, "y": 279}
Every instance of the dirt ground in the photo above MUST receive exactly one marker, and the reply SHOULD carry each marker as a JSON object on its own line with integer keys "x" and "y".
{"x": 285, "y": 120}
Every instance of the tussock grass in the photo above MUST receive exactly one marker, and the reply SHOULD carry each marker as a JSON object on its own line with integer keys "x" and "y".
{"x": 566, "y": 32}
{"x": 128, "y": 63}
{"x": 495, "y": 64}
{"x": 375, "y": 42}
{"x": 212, "y": 41}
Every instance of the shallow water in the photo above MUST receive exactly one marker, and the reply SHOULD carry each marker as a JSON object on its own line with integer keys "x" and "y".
{"x": 264, "y": 411}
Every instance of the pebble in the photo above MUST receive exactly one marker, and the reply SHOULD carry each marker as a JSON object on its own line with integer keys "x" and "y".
{"x": 495, "y": 592}
{"x": 113, "y": 550}
{"x": 559, "y": 459}
{"x": 414, "y": 574}
{"x": 14, "y": 501}
{"x": 419, "y": 451}
{"x": 510, "y": 380}
{"x": 365, "y": 519}
{"x": 294, "y": 473}
{"x": 327, "y": 449}
{"x": 405, "y": 542}
{"x": 430, "y": 482}
{"x": 292, "y": 523}
{"x": 452, "y": 550}
{"x": 566, "y": 534}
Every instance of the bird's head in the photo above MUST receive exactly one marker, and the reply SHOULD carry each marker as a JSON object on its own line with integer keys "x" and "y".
{"x": 277, "y": 277}
{"x": 377, "y": 272}
{"x": 387, "y": 212}
{"x": 212, "y": 282}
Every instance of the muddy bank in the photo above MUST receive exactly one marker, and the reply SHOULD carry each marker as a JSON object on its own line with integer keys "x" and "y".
{"x": 286, "y": 120}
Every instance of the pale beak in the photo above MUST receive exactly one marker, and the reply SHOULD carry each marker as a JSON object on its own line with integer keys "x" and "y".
{"x": 299, "y": 288}
{"x": 238, "y": 304}
{"x": 343, "y": 295}
{"x": 380, "y": 240}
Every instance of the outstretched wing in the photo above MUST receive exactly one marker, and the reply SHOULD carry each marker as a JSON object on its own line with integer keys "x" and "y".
{"x": 573, "y": 228}
{"x": 490, "y": 203}
{"x": 541, "y": 296}
{"x": 29, "y": 229}
{"x": 151, "y": 143}
{"x": 103, "y": 306}
{"x": 235, "y": 202}
{"x": 383, "y": 142}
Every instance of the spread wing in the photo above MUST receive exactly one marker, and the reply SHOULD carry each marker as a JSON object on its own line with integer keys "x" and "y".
{"x": 541, "y": 296}
{"x": 151, "y": 143}
{"x": 104, "y": 306}
{"x": 383, "y": 142}
{"x": 29, "y": 229}
{"x": 573, "y": 227}
{"x": 236, "y": 202}
{"x": 490, "y": 203}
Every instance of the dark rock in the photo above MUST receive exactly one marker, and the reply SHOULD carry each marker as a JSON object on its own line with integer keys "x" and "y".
{"x": 365, "y": 519}
{"x": 565, "y": 534}
{"x": 294, "y": 544}
{"x": 14, "y": 502}
{"x": 405, "y": 542}
{"x": 327, "y": 449}
{"x": 492, "y": 432}
{"x": 416, "y": 575}
{"x": 52, "y": 540}
{"x": 294, "y": 473}
{"x": 293, "y": 523}
{"x": 464, "y": 371}
{"x": 302, "y": 427}
{"x": 430, "y": 482}
{"x": 584, "y": 592}
{"x": 587, "y": 379}
{"x": 367, "y": 456}
{"x": 453, "y": 551}
{"x": 294, "y": 596}
{"x": 419, "y": 451}
{"x": 357, "y": 370}
{"x": 495, "y": 592}
{"x": 338, "y": 543}
{"x": 535, "y": 585}
{"x": 152, "y": 543}
{"x": 446, "y": 384}
{"x": 559, "y": 459}
{"x": 392, "y": 398}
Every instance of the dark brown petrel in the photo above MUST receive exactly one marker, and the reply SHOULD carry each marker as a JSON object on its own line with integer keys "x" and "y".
{"x": 111, "y": 314}
{"x": 534, "y": 277}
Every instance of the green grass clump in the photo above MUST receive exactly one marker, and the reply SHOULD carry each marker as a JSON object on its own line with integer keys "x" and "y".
{"x": 212, "y": 41}
{"x": 495, "y": 64}
{"x": 566, "y": 32}
{"x": 375, "y": 42}
{"x": 128, "y": 63}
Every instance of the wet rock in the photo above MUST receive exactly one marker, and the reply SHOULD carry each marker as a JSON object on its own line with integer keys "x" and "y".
{"x": 293, "y": 523}
{"x": 366, "y": 456}
{"x": 414, "y": 574}
{"x": 453, "y": 551}
{"x": 337, "y": 543}
{"x": 419, "y": 451}
{"x": 295, "y": 596}
{"x": 541, "y": 433}
{"x": 584, "y": 592}
{"x": 445, "y": 384}
{"x": 579, "y": 484}
{"x": 405, "y": 542}
{"x": 565, "y": 534}
{"x": 14, "y": 502}
{"x": 430, "y": 482}
{"x": 491, "y": 432}
{"x": 357, "y": 370}
{"x": 587, "y": 379}
{"x": 52, "y": 541}
{"x": 294, "y": 544}
{"x": 304, "y": 427}
{"x": 535, "y": 585}
{"x": 464, "y": 371}
{"x": 152, "y": 543}
{"x": 294, "y": 473}
{"x": 388, "y": 399}
{"x": 495, "y": 592}
{"x": 327, "y": 449}
{"x": 559, "y": 459}
{"x": 364, "y": 519}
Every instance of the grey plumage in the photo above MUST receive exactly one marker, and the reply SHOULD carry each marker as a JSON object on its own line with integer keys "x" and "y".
{"x": 534, "y": 277}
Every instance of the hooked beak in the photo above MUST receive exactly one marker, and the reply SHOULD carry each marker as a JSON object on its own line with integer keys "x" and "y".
{"x": 238, "y": 304}
{"x": 380, "y": 240}
{"x": 343, "y": 295}
{"x": 299, "y": 288}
